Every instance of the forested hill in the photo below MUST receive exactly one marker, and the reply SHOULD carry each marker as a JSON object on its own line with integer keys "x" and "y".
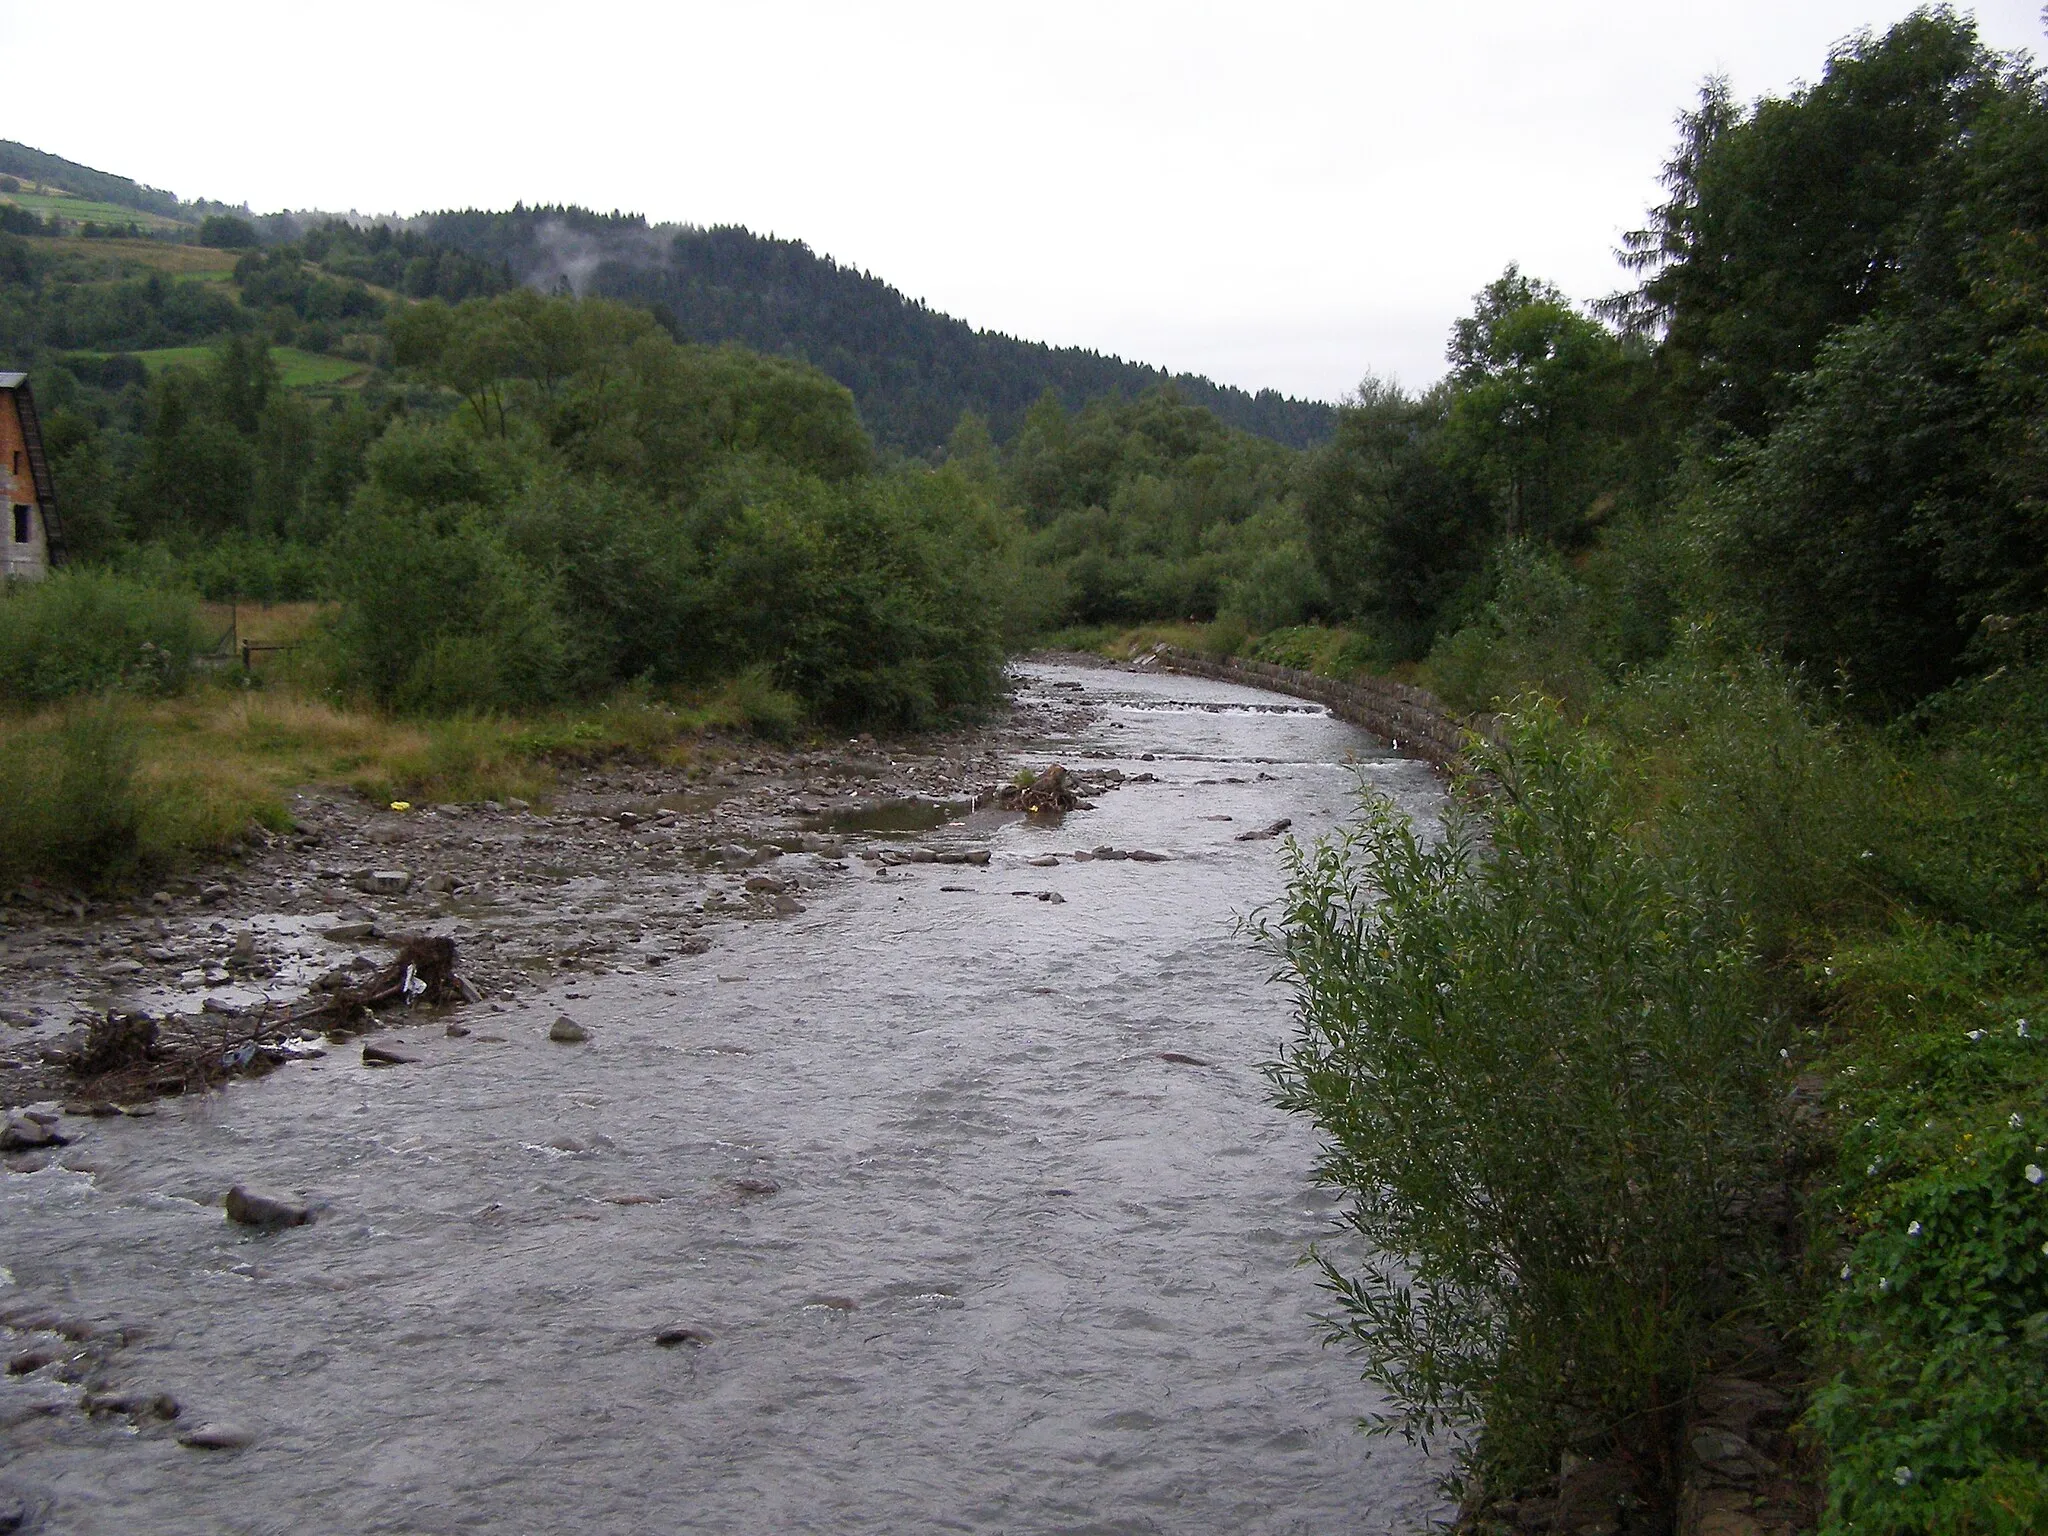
{"x": 912, "y": 370}
{"x": 24, "y": 163}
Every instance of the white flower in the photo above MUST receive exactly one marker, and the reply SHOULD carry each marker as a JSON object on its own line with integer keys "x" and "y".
{"x": 1845, "y": 1271}
{"x": 1874, "y": 1167}
{"x": 1913, "y": 1230}
{"x": 1870, "y": 1124}
{"x": 2021, "y": 1030}
{"x": 1974, "y": 1036}
{"x": 1883, "y": 1284}
{"x": 1902, "y": 1475}
{"x": 2015, "y": 1121}
{"x": 2034, "y": 1173}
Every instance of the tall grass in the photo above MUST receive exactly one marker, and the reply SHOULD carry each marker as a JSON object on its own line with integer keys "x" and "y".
{"x": 69, "y": 804}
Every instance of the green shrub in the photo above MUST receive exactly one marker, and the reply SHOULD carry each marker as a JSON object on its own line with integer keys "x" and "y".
{"x": 1538, "y": 1054}
{"x": 1534, "y": 636}
{"x": 1225, "y": 636}
{"x": 83, "y": 631}
{"x": 442, "y": 617}
{"x": 1790, "y": 810}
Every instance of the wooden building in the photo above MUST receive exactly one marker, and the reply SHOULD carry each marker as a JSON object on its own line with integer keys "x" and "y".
{"x": 30, "y": 540}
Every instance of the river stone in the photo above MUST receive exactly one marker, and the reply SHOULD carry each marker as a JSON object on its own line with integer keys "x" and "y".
{"x": 1273, "y": 829}
{"x": 384, "y": 1056}
{"x": 217, "y": 1437}
{"x": 384, "y": 882}
{"x": 134, "y": 1405}
{"x": 768, "y": 885}
{"x": 1044, "y": 861}
{"x": 252, "y": 1208}
{"x": 675, "y": 1338}
{"x": 348, "y": 933}
{"x": 757, "y": 1186}
{"x": 566, "y": 1031}
{"x": 24, "y": 1132}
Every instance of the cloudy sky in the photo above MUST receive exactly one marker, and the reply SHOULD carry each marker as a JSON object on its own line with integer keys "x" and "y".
{"x": 1285, "y": 193}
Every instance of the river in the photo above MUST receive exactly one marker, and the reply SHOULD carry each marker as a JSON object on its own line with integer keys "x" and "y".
{"x": 959, "y": 1247}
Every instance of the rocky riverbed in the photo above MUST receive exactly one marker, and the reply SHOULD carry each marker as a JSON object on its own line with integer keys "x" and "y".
{"x": 629, "y": 868}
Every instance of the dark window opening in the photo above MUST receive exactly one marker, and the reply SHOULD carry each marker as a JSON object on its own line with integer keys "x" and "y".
{"x": 21, "y": 534}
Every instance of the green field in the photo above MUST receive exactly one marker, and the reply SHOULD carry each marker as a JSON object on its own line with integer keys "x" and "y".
{"x": 78, "y": 209}
{"x": 295, "y": 369}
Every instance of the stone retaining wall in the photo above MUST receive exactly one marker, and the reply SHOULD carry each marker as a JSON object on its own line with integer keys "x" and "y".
{"x": 1413, "y": 719}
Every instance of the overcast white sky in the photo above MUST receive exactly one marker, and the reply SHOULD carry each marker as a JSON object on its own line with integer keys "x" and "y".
{"x": 1285, "y": 194}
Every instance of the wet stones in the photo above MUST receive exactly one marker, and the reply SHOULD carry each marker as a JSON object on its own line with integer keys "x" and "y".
{"x": 1183, "y": 1059}
{"x": 755, "y": 1187}
{"x": 131, "y": 1405}
{"x": 566, "y": 1031}
{"x": 217, "y": 1437}
{"x": 1272, "y": 830}
{"x": 384, "y": 882}
{"x": 679, "y": 1338}
{"x": 384, "y": 1056}
{"x": 266, "y": 1212}
{"x": 30, "y": 1130}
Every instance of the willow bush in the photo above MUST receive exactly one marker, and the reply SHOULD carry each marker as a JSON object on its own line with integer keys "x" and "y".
{"x": 1538, "y": 1055}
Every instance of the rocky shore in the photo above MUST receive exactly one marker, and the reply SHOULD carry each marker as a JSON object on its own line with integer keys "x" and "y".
{"x": 629, "y": 867}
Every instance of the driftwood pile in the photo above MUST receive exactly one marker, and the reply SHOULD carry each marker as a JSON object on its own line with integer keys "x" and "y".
{"x": 1051, "y": 793}
{"x": 127, "y": 1056}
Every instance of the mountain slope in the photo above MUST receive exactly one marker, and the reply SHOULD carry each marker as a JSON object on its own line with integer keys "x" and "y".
{"x": 913, "y": 369}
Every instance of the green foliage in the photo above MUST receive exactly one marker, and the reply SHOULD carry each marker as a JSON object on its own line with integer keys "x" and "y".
{"x": 224, "y": 231}
{"x": 1146, "y": 509}
{"x": 68, "y": 799}
{"x": 1936, "y": 1326}
{"x": 1535, "y": 633}
{"x": 1539, "y": 1057}
{"x": 83, "y": 631}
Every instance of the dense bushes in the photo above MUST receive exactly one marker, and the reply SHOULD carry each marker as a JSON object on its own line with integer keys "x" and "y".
{"x": 83, "y": 631}
{"x": 1539, "y": 1053}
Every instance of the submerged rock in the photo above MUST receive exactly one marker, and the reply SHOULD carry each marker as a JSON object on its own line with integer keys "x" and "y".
{"x": 566, "y": 1031}
{"x": 675, "y": 1338}
{"x": 1272, "y": 830}
{"x": 217, "y": 1437}
{"x": 253, "y": 1208}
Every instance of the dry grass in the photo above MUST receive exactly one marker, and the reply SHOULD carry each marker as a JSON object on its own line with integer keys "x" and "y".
{"x": 205, "y": 764}
{"x": 155, "y": 255}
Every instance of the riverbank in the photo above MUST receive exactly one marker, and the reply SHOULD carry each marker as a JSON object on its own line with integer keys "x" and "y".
{"x": 635, "y": 863}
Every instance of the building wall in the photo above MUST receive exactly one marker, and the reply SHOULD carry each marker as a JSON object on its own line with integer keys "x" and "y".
{"x": 30, "y": 559}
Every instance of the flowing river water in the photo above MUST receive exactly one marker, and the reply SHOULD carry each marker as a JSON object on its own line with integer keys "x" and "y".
{"x": 960, "y": 1247}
